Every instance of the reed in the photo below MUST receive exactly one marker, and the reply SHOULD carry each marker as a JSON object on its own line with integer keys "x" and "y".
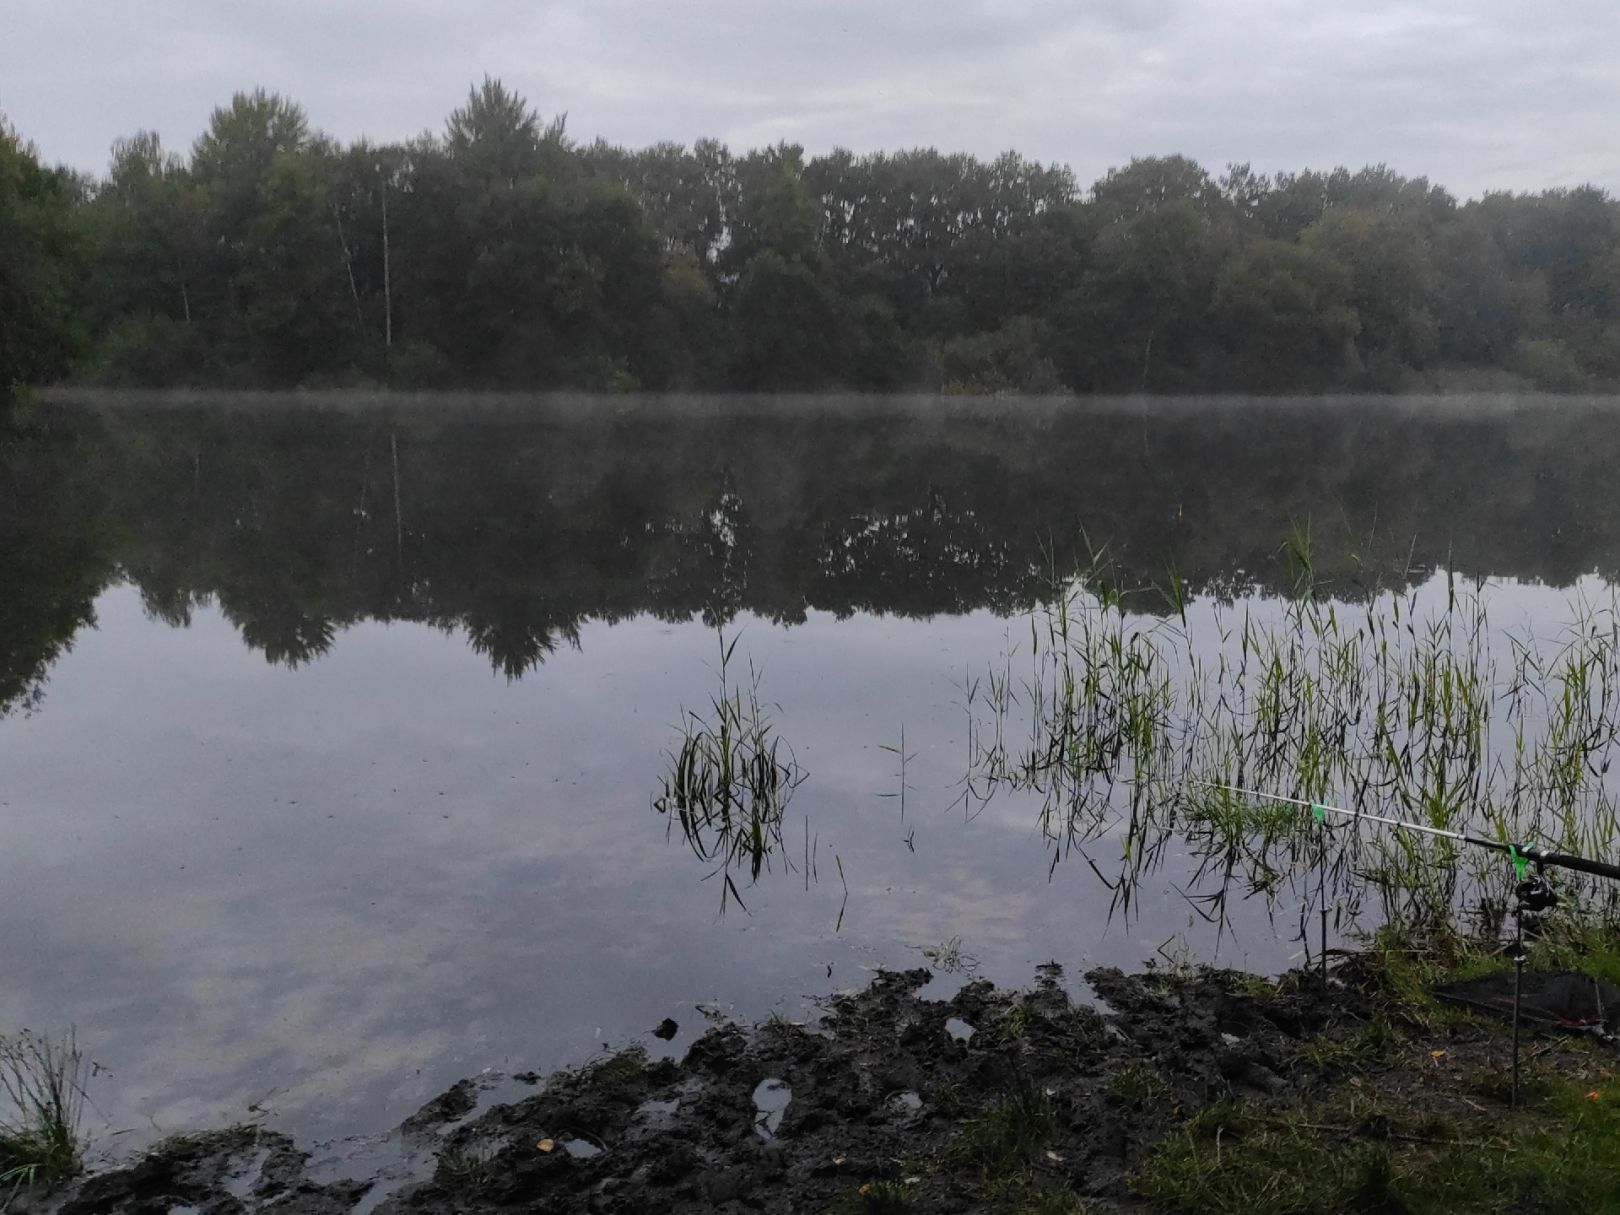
{"x": 729, "y": 780}
{"x": 1410, "y": 703}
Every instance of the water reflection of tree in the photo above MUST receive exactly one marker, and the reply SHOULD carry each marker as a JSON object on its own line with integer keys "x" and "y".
{"x": 520, "y": 524}
{"x": 53, "y": 558}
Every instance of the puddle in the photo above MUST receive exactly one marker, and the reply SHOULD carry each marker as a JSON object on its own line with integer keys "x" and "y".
{"x": 771, "y": 1097}
{"x": 959, "y": 1029}
{"x": 240, "y": 1184}
{"x": 908, "y": 1101}
{"x": 942, "y": 987}
{"x": 389, "y": 1161}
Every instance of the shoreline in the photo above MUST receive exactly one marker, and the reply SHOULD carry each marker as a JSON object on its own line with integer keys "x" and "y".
{"x": 1180, "y": 1091}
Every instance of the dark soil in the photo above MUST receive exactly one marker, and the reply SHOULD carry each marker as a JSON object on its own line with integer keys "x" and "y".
{"x": 889, "y": 1110}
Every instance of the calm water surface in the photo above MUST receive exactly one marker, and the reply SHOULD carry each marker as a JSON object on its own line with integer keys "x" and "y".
{"x": 333, "y": 732}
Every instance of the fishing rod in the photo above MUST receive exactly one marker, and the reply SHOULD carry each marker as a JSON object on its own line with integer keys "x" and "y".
{"x": 1532, "y": 894}
{"x": 1522, "y": 855}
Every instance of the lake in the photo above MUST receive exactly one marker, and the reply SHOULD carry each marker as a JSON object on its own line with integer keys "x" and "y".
{"x": 334, "y": 728}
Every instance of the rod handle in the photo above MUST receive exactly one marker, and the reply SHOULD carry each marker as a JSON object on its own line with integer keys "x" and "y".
{"x": 1579, "y": 864}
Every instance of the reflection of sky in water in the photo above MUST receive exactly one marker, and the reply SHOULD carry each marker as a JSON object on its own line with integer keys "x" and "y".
{"x": 358, "y": 881}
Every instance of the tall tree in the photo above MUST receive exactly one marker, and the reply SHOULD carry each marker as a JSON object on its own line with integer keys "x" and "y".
{"x": 40, "y": 265}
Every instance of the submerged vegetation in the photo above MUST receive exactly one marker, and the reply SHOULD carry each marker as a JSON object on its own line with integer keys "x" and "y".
{"x": 504, "y": 253}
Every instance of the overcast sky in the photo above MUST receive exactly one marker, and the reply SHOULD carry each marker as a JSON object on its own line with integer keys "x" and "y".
{"x": 1475, "y": 94}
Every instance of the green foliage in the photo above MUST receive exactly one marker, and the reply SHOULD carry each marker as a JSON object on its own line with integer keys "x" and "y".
{"x": 273, "y": 256}
{"x": 787, "y": 325}
{"x": 1286, "y": 315}
{"x": 41, "y": 251}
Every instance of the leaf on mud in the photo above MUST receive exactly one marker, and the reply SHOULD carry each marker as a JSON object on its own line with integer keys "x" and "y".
{"x": 547, "y": 1145}
{"x": 840, "y": 1159}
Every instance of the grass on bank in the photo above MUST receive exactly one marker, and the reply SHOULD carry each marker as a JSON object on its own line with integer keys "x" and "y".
{"x": 1359, "y": 1154}
{"x": 42, "y": 1086}
{"x": 1387, "y": 1134}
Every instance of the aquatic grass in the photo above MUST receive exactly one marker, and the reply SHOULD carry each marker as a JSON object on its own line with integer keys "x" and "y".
{"x": 43, "y": 1083}
{"x": 1403, "y": 703}
{"x": 730, "y": 780}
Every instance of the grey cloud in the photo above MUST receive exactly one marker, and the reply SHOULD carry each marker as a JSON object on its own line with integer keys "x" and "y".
{"x": 1481, "y": 95}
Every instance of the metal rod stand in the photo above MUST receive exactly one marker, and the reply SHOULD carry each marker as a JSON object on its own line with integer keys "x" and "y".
{"x": 1321, "y": 897}
{"x": 1518, "y": 988}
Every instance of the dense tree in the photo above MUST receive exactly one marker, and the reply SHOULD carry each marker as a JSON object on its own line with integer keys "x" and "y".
{"x": 498, "y": 253}
{"x": 1286, "y": 316}
{"x": 40, "y": 251}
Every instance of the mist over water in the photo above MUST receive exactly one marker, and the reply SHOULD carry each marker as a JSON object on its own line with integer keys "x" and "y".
{"x": 334, "y": 731}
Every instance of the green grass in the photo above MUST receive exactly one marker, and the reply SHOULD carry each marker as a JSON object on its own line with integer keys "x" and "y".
{"x": 1014, "y": 1023}
{"x": 1404, "y": 967}
{"x": 1138, "y": 1089}
{"x": 1227, "y": 1162}
{"x": 1371, "y": 1042}
{"x": 1562, "y": 1156}
{"x": 471, "y": 1166}
{"x": 1588, "y": 945}
{"x": 1007, "y": 1137}
{"x": 616, "y": 1069}
{"x": 42, "y": 1087}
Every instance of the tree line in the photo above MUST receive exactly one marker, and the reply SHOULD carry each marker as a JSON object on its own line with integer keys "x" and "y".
{"x": 503, "y": 254}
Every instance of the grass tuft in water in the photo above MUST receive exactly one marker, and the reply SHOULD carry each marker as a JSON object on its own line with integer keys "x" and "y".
{"x": 42, "y": 1082}
{"x": 730, "y": 779}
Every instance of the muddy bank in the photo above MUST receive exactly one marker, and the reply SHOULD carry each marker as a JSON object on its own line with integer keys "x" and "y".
{"x": 989, "y": 1100}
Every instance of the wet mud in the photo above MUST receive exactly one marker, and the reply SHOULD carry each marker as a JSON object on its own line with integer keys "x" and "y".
{"x": 888, "y": 1097}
